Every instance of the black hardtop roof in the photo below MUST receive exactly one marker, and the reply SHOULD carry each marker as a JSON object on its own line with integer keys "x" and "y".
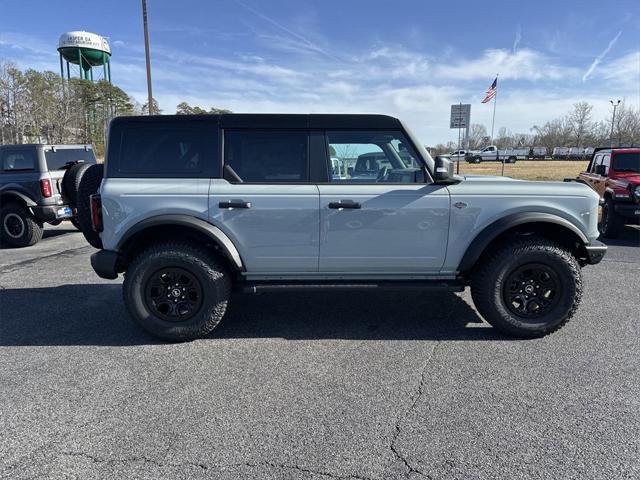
{"x": 57, "y": 145}
{"x": 278, "y": 120}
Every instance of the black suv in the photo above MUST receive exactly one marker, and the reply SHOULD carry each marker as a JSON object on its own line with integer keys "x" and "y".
{"x": 39, "y": 184}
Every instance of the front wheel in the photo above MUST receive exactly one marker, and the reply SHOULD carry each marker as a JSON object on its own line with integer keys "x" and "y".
{"x": 527, "y": 287}
{"x": 177, "y": 291}
{"x": 476, "y": 160}
{"x": 611, "y": 223}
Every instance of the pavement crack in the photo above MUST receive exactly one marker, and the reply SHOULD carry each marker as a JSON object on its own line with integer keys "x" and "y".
{"x": 12, "y": 267}
{"x": 415, "y": 397}
{"x": 205, "y": 466}
{"x": 306, "y": 470}
{"x": 135, "y": 459}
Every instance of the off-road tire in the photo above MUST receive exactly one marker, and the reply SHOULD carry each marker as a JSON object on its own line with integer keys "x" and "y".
{"x": 476, "y": 160}
{"x": 74, "y": 221}
{"x": 490, "y": 276}
{"x": 89, "y": 185}
{"x": 71, "y": 181}
{"x": 611, "y": 223}
{"x": 202, "y": 264}
{"x": 28, "y": 232}
{"x": 512, "y": 160}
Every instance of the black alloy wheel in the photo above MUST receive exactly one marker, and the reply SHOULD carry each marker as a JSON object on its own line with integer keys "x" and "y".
{"x": 531, "y": 291}
{"x": 173, "y": 294}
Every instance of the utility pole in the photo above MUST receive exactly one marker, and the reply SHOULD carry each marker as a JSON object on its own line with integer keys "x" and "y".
{"x": 613, "y": 120}
{"x": 146, "y": 52}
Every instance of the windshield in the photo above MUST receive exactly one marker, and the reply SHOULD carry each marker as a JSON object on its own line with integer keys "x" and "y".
{"x": 56, "y": 160}
{"x": 627, "y": 162}
{"x": 420, "y": 147}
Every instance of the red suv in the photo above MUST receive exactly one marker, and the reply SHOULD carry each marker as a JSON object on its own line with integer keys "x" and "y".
{"x": 615, "y": 174}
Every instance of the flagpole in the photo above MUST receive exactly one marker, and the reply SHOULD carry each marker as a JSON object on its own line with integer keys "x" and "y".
{"x": 493, "y": 120}
{"x": 495, "y": 100}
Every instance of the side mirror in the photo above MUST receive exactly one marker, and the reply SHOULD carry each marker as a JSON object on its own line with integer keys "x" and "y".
{"x": 601, "y": 170}
{"x": 350, "y": 171}
{"x": 443, "y": 170}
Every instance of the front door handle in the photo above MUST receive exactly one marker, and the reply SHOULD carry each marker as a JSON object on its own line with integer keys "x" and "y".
{"x": 344, "y": 204}
{"x": 234, "y": 204}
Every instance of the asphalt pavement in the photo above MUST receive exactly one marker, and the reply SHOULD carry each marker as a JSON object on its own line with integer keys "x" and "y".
{"x": 312, "y": 385}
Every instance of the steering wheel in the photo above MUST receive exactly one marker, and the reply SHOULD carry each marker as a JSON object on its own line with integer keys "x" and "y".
{"x": 381, "y": 174}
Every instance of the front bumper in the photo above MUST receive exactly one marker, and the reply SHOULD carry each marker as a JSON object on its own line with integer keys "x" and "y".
{"x": 594, "y": 252}
{"x": 105, "y": 264}
{"x": 51, "y": 213}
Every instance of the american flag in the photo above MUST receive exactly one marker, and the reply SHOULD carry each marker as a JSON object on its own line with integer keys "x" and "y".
{"x": 491, "y": 92}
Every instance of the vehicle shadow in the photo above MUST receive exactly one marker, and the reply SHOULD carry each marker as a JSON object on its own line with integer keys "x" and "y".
{"x": 629, "y": 237}
{"x": 93, "y": 314}
{"x": 55, "y": 232}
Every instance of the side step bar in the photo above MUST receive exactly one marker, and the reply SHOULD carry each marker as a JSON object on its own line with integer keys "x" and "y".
{"x": 432, "y": 285}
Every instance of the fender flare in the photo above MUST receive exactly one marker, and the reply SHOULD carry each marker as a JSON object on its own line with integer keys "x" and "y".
{"x": 213, "y": 232}
{"x": 491, "y": 232}
{"x": 4, "y": 193}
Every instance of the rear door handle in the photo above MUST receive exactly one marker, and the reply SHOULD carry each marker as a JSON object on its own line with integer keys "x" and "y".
{"x": 234, "y": 204}
{"x": 344, "y": 204}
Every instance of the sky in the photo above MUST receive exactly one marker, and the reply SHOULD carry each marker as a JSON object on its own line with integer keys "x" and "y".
{"x": 410, "y": 59}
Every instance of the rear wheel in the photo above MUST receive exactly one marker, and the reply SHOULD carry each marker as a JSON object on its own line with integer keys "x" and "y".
{"x": 17, "y": 227}
{"x": 74, "y": 221}
{"x": 527, "y": 287}
{"x": 88, "y": 186}
{"x": 512, "y": 159}
{"x": 177, "y": 291}
{"x": 611, "y": 223}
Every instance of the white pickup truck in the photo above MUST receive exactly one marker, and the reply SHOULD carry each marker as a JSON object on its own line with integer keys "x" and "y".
{"x": 493, "y": 154}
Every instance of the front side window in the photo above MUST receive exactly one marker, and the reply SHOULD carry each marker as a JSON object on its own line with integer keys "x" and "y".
{"x": 605, "y": 161}
{"x": 374, "y": 157}
{"x": 627, "y": 162}
{"x": 19, "y": 161}
{"x": 596, "y": 161}
{"x": 264, "y": 156}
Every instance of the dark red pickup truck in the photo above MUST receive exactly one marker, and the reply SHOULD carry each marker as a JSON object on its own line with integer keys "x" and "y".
{"x": 615, "y": 174}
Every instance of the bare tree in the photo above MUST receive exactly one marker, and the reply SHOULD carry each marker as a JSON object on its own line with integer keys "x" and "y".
{"x": 477, "y": 135}
{"x": 626, "y": 129}
{"x": 579, "y": 121}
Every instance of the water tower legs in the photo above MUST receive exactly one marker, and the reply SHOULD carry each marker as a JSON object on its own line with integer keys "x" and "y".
{"x": 80, "y": 63}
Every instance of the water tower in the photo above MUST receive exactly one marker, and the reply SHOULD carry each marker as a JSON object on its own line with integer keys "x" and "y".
{"x": 87, "y": 50}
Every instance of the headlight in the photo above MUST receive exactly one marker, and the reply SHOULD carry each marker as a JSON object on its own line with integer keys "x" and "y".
{"x": 636, "y": 193}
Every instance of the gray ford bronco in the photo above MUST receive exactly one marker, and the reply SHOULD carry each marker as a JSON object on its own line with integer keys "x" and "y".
{"x": 39, "y": 184}
{"x": 191, "y": 207}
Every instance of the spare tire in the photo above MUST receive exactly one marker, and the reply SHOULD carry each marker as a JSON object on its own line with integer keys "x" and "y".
{"x": 89, "y": 185}
{"x": 71, "y": 181}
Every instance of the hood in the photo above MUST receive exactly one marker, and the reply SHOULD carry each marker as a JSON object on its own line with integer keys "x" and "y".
{"x": 628, "y": 177}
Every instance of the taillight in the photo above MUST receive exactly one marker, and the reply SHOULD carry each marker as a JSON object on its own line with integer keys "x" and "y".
{"x": 96, "y": 212}
{"x": 45, "y": 186}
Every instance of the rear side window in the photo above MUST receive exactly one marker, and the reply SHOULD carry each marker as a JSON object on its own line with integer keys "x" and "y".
{"x": 21, "y": 160}
{"x": 263, "y": 156}
{"x": 58, "y": 158}
{"x": 164, "y": 149}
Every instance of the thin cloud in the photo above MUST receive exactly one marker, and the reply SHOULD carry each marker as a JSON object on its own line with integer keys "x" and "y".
{"x": 600, "y": 57}
{"x": 516, "y": 41}
{"x": 306, "y": 43}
